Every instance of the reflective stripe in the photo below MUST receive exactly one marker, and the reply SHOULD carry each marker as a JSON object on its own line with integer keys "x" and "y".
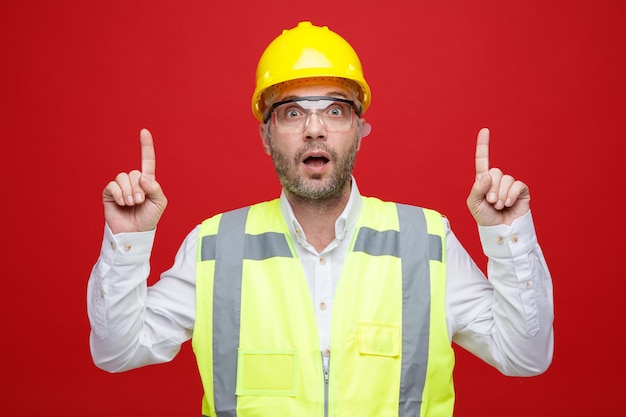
{"x": 407, "y": 245}
{"x": 377, "y": 243}
{"x": 207, "y": 250}
{"x": 265, "y": 246}
{"x": 435, "y": 248}
{"x": 228, "y": 270}
{"x": 256, "y": 247}
{"x": 415, "y": 309}
{"x": 387, "y": 242}
{"x": 229, "y": 248}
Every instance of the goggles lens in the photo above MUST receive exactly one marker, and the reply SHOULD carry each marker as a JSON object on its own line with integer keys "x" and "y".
{"x": 293, "y": 115}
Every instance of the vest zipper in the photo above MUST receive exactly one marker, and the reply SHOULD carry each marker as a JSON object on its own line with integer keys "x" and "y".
{"x": 326, "y": 370}
{"x": 326, "y": 374}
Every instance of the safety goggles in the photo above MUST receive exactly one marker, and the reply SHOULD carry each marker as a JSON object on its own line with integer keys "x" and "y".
{"x": 294, "y": 115}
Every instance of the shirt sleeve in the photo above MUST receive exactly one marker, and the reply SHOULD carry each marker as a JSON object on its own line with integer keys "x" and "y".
{"x": 506, "y": 320}
{"x": 133, "y": 325}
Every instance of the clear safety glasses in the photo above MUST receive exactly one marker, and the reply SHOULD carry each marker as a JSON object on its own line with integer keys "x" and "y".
{"x": 293, "y": 115}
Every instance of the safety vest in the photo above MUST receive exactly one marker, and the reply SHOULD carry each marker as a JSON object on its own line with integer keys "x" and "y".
{"x": 255, "y": 335}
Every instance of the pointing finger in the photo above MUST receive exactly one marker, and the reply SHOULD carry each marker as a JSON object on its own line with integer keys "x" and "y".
{"x": 482, "y": 152}
{"x": 148, "y": 158}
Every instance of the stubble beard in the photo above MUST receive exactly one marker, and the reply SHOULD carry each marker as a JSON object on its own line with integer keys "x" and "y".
{"x": 314, "y": 191}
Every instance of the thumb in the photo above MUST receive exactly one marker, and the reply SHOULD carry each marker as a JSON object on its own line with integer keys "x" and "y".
{"x": 151, "y": 188}
{"x": 481, "y": 187}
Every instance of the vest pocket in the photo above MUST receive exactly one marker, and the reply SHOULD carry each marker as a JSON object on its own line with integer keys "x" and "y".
{"x": 266, "y": 372}
{"x": 379, "y": 339}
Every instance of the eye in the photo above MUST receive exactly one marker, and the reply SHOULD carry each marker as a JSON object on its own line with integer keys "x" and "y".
{"x": 335, "y": 111}
{"x": 292, "y": 112}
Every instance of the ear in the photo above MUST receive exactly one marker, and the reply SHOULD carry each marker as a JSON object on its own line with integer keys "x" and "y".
{"x": 264, "y": 139}
{"x": 366, "y": 128}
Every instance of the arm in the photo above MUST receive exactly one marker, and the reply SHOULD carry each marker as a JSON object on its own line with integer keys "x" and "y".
{"x": 506, "y": 320}
{"x": 133, "y": 325}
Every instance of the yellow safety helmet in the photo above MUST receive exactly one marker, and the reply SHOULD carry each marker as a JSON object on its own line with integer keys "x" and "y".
{"x": 307, "y": 51}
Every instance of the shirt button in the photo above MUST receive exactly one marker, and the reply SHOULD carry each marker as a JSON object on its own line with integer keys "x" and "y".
{"x": 101, "y": 294}
{"x": 322, "y": 306}
{"x": 514, "y": 238}
{"x": 323, "y": 261}
{"x": 528, "y": 285}
{"x": 113, "y": 246}
{"x": 127, "y": 247}
{"x": 500, "y": 240}
{"x": 326, "y": 353}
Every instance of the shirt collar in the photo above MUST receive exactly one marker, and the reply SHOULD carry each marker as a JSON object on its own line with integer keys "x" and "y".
{"x": 345, "y": 222}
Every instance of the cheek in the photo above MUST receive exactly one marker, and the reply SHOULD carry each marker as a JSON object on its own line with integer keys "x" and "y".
{"x": 278, "y": 149}
{"x": 349, "y": 145}
{"x": 283, "y": 143}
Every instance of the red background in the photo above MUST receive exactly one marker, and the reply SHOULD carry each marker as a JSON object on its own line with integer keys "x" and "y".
{"x": 80, "y": 78}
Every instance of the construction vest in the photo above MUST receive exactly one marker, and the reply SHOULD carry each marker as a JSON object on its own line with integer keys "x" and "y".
{"x": 256, "y": 339}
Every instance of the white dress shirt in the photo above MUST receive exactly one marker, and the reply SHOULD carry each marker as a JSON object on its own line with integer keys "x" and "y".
{"x": 505, "y": 320}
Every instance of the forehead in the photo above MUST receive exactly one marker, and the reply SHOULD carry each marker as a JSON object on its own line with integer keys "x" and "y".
{"x": 314, "y": 89}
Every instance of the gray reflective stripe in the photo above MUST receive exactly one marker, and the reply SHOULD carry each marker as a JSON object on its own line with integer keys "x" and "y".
{"x": 413, "y": 249}
{"x": 256, "y": 247}
{"x": 207, "y": 250}
{"x": 415, "y": 308}
{"x": 435, "y": 248}
{"x": 229, "y": 248}
{"x": 377, "y": 243}
{"x": 265, "y": 246}
{"x": 227, "y": 281}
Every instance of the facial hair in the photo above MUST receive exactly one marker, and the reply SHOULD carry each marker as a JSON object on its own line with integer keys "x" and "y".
{"x": 314, "y": 191}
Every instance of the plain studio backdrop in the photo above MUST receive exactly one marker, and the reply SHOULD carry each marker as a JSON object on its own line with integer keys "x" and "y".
{"x": 80, "y": 78}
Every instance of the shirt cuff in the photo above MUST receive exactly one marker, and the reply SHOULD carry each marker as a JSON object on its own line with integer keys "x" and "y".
{"x": 503, "y": 241}
{"x": 126, "y": 248}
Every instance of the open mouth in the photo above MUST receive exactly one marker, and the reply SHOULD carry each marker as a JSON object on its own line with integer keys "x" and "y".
{"x": 315, "y": 161}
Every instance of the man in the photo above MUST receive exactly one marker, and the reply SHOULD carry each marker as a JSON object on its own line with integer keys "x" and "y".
{"x": 322, "y": 302}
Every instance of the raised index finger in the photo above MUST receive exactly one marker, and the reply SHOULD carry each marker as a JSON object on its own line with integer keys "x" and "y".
{"x": 148, "y": 158}
{"x": 482, "y": 152}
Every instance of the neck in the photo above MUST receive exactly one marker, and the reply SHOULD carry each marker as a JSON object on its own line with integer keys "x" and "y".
{"x": 318, "y": 216}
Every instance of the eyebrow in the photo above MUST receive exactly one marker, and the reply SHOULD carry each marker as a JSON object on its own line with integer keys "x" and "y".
{"x": 329, "y": 94}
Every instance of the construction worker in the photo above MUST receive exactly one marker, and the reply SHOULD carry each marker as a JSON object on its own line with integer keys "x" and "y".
{"x": 322, "y": 302}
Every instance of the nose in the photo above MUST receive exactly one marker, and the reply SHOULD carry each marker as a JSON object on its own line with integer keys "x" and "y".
{"x": 314, "y": 126}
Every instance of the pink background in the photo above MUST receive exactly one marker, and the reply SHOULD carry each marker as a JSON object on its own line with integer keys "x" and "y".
{"x": 80, "y": 78}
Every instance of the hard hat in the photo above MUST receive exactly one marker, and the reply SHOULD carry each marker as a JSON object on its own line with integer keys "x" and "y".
{"x": 307, "y": 51}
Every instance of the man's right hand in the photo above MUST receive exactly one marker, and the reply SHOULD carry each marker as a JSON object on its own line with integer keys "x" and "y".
{"x": 134, "y": 202}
